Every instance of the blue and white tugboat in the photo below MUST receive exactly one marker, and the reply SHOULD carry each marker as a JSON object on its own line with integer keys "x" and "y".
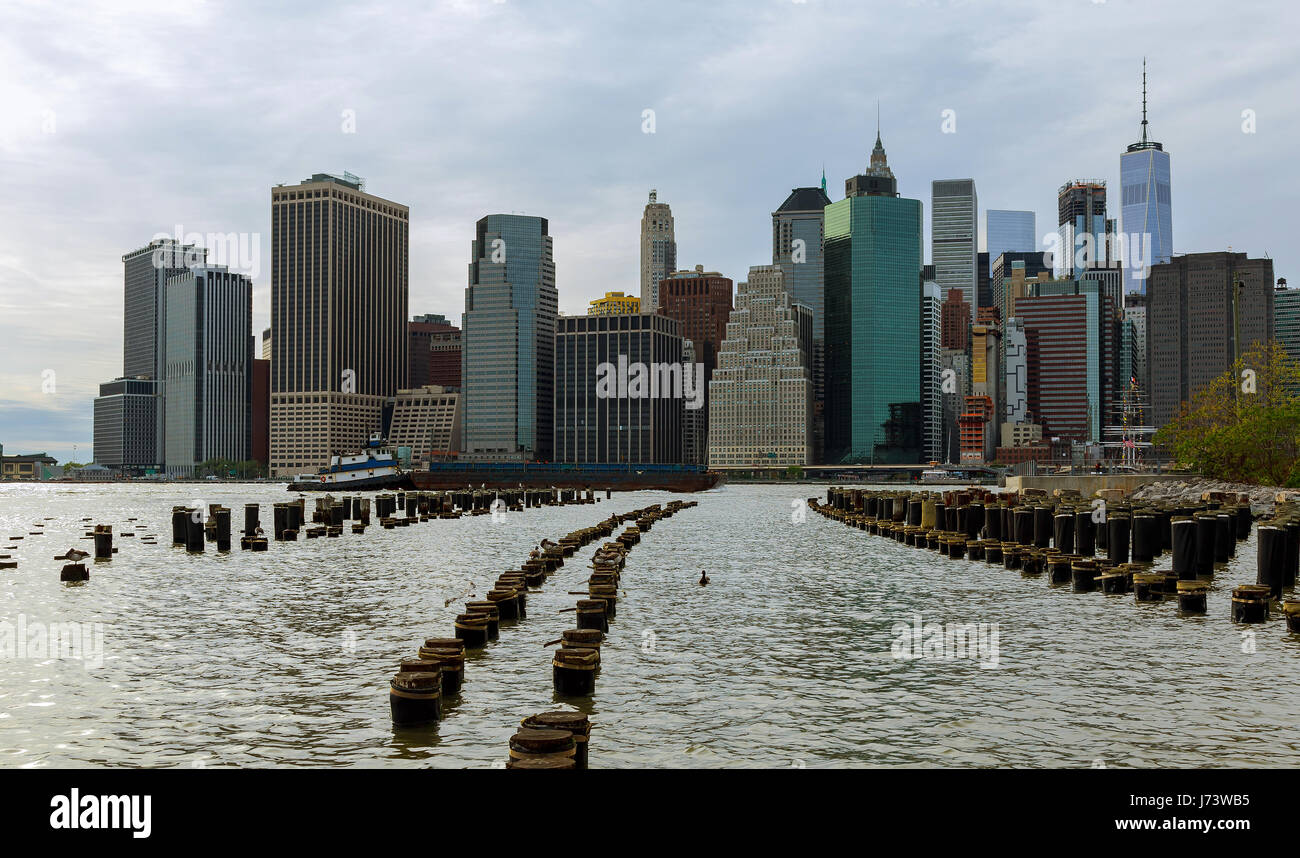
{"x": 373, "y": 468}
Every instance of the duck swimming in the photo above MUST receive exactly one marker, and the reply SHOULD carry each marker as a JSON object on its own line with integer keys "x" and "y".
{"x": 704, "y": 578}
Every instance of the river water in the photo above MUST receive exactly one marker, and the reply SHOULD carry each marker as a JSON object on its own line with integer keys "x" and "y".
{"x": 786, "y": 659}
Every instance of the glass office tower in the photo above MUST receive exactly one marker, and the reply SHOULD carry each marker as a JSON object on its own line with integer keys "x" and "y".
{"x": 508, "y": 340}
{"x": 873, "y": 260}
{"x": 1145, "y": 207}
{"x": 1006, "y": 230}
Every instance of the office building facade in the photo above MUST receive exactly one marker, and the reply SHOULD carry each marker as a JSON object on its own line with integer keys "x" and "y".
{"x": 874, "y": 256}
{"x": 339, "y": 293}
{"x": 701, "y": 302}
{"x": 1007, "y": 230}
{"x": 658, "y": 249}
{"x": 1146, "y": 206}
{"x": 621, "y": 387}
{"x": 1190, "y": 322}
{"x": 508, "y": 340}
{"x": 209, "y": 368}
{"x": 954, "y": 238}
{"x": 798, "y": 232}
{"x": 761, "y": 395}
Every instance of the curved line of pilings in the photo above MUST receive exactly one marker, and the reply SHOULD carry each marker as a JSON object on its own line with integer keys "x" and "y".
{"x": 540, "y": 742}
{"x": 425, "y": 686}
{"x": 1063, "y": 538}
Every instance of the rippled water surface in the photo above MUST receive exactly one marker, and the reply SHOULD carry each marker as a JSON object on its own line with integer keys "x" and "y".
{"x": 784, "y": 659}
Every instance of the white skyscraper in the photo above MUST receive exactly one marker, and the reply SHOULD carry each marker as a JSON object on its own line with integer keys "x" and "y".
{"x": 954, "y": 238}
{"x": 761, "y": 394}
{"x": 658, "y": 251}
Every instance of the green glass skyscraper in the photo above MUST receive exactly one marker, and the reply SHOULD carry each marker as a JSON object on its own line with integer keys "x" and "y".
{"x": 873, "y": 260}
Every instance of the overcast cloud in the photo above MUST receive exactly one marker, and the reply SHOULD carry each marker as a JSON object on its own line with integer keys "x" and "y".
{"x": 123, "y": 120}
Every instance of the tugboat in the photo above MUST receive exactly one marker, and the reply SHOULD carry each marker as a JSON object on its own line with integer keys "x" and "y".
{"x": 372, "y": 468}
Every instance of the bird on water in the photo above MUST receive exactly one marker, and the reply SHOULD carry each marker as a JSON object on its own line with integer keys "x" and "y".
{"x": 704, "y": 578}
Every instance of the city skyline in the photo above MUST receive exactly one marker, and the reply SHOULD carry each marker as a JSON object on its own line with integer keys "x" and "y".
{"x": 67, "y": 133}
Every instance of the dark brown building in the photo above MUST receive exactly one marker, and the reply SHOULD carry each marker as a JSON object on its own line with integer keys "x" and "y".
{"x": 434, "y": 349}
{"x": 954, "y": 325}
{"x": 261, "y": 412}
{"x": 1190, "y": 337}
{"x": 701, "y": 301}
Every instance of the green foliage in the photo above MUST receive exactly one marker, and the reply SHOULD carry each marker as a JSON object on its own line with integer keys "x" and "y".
{"x": 226, "y": 468}
{"x": 1245, "y": 424}
{"x": 794, "y": 472}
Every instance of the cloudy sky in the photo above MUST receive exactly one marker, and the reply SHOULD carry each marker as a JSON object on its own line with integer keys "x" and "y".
{"x": 123, "y": 120}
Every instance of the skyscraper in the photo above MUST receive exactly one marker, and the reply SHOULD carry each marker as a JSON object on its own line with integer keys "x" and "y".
{"x": 658, "y": 250}
{"x": 701, "y": 302}
{"x": 1146, "y": 209}
{"x": 931, "y": 395}
{"x": 873, "y": 320}
{"x": 762, "y": 390}
{"x": 954, "y": 238}
{"x": 1286, "y": 319}
{"x": 126, "y": 425}
{"x": 434, "y": 352}
{"x": 209, "y": 368}
{"x": 1006, "y": 229}
{"x": 144, "y": 336}
{"x": 339, "y": 292}
{"x": 603, "y": 414}
{"x": 1071, "y": 333}
{"x": 1082, "y": 228}
{"x": 508, "y": 340}
{"x": 798, "y": 228}
{"x": 1190, "y": 331}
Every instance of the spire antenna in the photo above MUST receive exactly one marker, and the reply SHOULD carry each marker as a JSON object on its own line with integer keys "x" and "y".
{"x": 1144, "y": 99}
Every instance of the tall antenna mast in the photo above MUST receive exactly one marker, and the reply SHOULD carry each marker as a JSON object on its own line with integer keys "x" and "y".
{"x": 1144, "y": 99}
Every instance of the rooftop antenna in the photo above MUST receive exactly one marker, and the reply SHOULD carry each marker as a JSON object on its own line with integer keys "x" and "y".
{"x": 1144, "y": 99}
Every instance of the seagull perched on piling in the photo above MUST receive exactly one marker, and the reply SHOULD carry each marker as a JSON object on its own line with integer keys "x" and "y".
{"x": 704, "y": 578}
{"x": 75, "y": 555}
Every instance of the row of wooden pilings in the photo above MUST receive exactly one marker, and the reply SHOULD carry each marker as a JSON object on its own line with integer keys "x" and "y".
{"x": 329, "y": 515}
{"x": 541, "y": 743}
{"x": 1061, "y": 537}
{"x": 425, "y": 685}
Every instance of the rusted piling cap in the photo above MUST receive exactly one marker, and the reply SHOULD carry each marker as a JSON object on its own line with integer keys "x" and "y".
{"x": 576, "y": 723}
{"x": 579, "y": 659}
{"x": 502, "y": 594}
{"x": 471, "y": 620}
{"x": 1251, "y": 591}
{"x": 1193, "y": 587}
{"x": 532, "y": 740}
{"x": 586, "y": 637}
{"x": 591, "y": 605}
{"x": 445, "y": 643}
{"x": 489, "y": 608}
{"x": 418, "y": 681}
{"x": 419, "y": 665}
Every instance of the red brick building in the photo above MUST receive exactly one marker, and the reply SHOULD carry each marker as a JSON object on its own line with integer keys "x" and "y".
{"x": 701, "y": 301}
{"x": 433, "y": 352}
{"x": 954, "y": 321}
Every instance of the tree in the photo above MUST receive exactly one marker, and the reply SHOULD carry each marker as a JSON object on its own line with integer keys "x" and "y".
{"x": 1245, "y": 424}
